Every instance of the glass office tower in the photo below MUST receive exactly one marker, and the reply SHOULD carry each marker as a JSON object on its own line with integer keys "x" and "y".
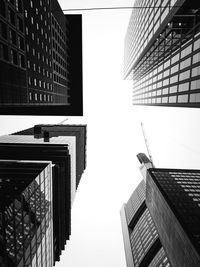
{"x": 141, "y": 241}
{"x": 173, "y": 199}
{"x": 26, "y": 219}
{"x": 65, "y": 147}
{"x": 162, "y": 52}
{"x": 40, "y": 59}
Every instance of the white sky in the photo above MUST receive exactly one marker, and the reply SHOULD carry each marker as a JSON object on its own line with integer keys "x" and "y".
{"x": 114, "y": 139}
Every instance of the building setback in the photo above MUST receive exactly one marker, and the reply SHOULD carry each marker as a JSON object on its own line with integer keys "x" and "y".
{"x": 162, "y": 52}
{"x": 40, "y": 59}
{"x": 172, "y": 199}
{"x": 26, "y": 237}
{"x": 59, "y": 144}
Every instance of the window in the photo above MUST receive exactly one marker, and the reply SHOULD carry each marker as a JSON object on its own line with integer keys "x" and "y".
{"x": 3, "y": 52}
{"x": 19, "y": 5}
{"x": 21, "y": 42}
{"x": 13, "y": 56}
{"x": 20, "y": 24}
{"x": 21, "y": 60}
{"x": 3, "y": 30}
{"x": 13, "y": 39}
{"x": 182, "y": 98}
{"x": 2, "y": 8}
{"x": 11, "y": 16}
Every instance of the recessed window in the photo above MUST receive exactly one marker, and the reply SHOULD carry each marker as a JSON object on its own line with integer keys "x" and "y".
{"x": 31, "y": 3}
{"x": 32, "y": 20}
{"x": 13, "y": 38}
{"x": 3, "y": 30}
{"x": 3, "y": 52}
{"x": 35, "y": 82}
{"x": 21, "y": 42}
{"x": 11, "y": 16}
{"x": 2, "y": 8}
{"x": 20, "y": 24}
{"x": 19, "y": 5}
{"x": 13, "y": 56}
{"x": 33, "y": 36}
{"x": 21, "y": 60}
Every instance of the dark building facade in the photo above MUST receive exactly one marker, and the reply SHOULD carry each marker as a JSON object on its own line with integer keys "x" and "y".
{"x": 162, "y": 49}
{"x": 141, "y": 241}
{"x": 26, "y": 219}
{"x": 59, "y": 144}
{"x": 40, "y": 59}
{"x": 173, "y": 199}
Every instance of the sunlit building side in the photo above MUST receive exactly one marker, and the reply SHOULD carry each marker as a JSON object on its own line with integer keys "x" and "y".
{"x": 162, "y": 52}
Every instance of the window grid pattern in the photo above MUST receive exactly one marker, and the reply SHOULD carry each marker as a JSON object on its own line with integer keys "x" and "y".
{"x": 135, "y": 201}
{"x": 182, "y": 188}
{"x": 176, "y": 80}
{"x": 12, "y": 38}
{"x": 142, "y": 237}
{"x": 160, "y": 260}
{"x": 143, "y": 234}
{"x": 27, "y": 221}
{"x": 38, "y": 50}
{"x": 60, "y": 65}
{"x": 143, "y": 25}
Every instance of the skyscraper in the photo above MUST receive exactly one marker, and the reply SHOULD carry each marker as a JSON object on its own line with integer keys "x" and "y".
{"x": 40, "y": 59}
{"x": 26, "y": 236}
{"x": 141, "y": 241}
{"x": 172, "y": 198}
{"x": 162, "y": 50}
{"x": 64, "y": 146}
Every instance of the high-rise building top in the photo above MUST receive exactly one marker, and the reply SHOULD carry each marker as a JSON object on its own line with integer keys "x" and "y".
{"x": 59, "y": 144}
{"x": 162, "y": 47}
{"x": 40, "y": 59}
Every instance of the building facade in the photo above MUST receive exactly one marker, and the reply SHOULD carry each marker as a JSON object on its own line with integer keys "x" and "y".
{"x": 26, "y": 218}
{"x": 141, "y": 241}
{"x": 40, "y": 59}
{"x": 173, "y": 199}
{"x": 59, "y": 144}
{"x": 162, "y": 50}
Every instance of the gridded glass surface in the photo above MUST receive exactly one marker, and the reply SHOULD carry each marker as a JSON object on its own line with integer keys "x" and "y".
{"x": 142, "y": 237}
{"x": 175, "y": 80}
{"x": 160, "y": 260}
{"x": 26, "y": 224}
{"x": 143, "y": 25}
{"x": 182, "y": 188}
{"x": 135, "y": 201}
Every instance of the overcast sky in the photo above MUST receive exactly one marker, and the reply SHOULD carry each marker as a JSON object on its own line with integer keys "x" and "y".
{"x": 114, "y": 139}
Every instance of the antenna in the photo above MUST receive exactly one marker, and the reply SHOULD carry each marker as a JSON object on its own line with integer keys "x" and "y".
{"x": 147, "y": 145}
{"x": 63, "y": 121}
